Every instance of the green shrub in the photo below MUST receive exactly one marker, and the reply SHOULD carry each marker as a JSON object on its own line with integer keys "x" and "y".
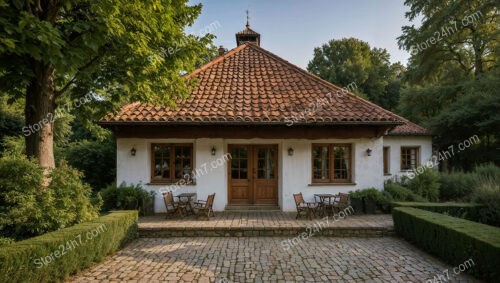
{"x": 487, "y": 172}
{"x": 453, "y": 239}
{"x": 125, "y": 197}
{"x": 400, "y": 193}
{"x": 13, "y": 145}
{"x": 369, "y": 193}
{"x": 488, "y": 194}
{"x": 355, "y": 194}
{"x": 381, "y": 199}
{"x": 384, "y": 202}
{"x": 460, "y": 186}
{"x": 40, "y": 259}
{"x": 72, "y": 197}
{"x": 28, "y": 208}
{"x": 426, "y": 185}
{"x": 97, "y": 161}
{"x": 6, "y": 241}
{"x": 11, "y": 119}
{"x": 456, "y": 186}
{"x": 469, "y": 211}
{"x": 20, "y": 197}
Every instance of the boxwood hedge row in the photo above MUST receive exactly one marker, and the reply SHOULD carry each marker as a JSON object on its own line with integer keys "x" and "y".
{"x": 53, "y": 256}
{"x": 469, "y": 211}
{"x": 453, "y": 239}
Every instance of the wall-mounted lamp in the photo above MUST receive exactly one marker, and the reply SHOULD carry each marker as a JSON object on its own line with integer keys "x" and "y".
{"x": 369, "y": 152}
{"x": 213, "y": 150}
{"x": 290, "y": 151}
{"x": 133, "y": 151}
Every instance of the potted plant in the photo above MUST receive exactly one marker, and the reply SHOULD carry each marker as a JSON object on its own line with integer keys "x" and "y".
{"x": 148, "y": 204}
{"x": 384, "y": 202}
{"x": 370, "y": 198}
{"x": 356, "y": 201}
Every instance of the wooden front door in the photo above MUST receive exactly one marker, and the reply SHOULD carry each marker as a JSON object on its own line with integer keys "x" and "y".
{"x": 253, "y": 174}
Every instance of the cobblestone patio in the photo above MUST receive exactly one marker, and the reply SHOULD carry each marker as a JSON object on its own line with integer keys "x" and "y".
{"x": 263, "y": 259}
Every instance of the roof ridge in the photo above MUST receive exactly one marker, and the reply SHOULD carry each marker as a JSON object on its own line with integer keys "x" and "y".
{"x": 318, "y": 79}
{"x": 217, "y": 60}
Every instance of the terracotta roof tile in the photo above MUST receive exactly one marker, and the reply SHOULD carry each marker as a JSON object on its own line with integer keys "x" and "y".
{"x": 409, "y": 129}
{"x": 247, "y": 31}
{"x": 249, "y": 84}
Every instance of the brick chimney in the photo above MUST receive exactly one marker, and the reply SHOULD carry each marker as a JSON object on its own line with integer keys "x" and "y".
{"x": 221, "y": 50}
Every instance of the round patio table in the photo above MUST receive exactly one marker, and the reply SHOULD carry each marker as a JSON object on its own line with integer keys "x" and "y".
{"x": 324, "y": 205}
{"x": 188, "y": 199}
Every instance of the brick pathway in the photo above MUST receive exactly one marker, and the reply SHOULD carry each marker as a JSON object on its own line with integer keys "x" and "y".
{"x": 263, "y": 259}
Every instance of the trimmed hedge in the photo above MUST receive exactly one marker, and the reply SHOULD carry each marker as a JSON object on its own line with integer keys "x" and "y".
{"x": 24, "y": 261}
{"x": 453, "y": 239}
{"x": 469, "y": 211}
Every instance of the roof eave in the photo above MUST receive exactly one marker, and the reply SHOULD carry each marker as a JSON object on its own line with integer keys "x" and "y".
{"x": 243, "y": 123}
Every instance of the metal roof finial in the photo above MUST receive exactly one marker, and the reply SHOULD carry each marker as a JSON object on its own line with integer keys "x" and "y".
{"x": 248, "y": 20}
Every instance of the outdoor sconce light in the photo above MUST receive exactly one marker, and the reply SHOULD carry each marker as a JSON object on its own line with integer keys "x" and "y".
{"x": 369, "y": 152}
{"x": 213, "y": 150}
{"x": 290, "y": 151}
{"x": 133, "y": 151}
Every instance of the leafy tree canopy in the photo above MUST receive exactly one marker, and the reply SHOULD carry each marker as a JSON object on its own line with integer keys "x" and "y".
{"x": 351, "y": 60}
{"x": 453, "y": 37}
{"x": 54, "y": 52}
{"x": 454, "y": 75}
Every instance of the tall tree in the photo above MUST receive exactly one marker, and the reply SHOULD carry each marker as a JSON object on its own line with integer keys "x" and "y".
{"x": 453, "y": 74}
{"x": 54, "y": 52}
{"x": 351, "y": 60}
{"x": 458, "y": 34}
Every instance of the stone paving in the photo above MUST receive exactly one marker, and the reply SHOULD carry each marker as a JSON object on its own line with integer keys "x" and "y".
{"x": 262, "y": 224}
{"x": 260, "y": 219}
{"x": 263, "y": 259}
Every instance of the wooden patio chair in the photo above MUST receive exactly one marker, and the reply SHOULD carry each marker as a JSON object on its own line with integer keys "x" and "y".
{"x": 304, "y": 208}
{"x": 172, "y": 206}
{"x": 320, "y": 209}
{"x": 342, "y": 203}
{"x": 205, "y": 207}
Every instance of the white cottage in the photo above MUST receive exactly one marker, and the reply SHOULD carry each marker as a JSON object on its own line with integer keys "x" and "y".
{"x": 257, "y": 129}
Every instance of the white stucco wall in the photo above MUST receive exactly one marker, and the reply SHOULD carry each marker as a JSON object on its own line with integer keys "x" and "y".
{"x": 396, "y": 142}
{"x": 296, "y": 177}
{"x": 294, "y": 171}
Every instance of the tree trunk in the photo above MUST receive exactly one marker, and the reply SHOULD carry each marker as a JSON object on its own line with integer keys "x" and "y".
{"x": 39, "y": 113}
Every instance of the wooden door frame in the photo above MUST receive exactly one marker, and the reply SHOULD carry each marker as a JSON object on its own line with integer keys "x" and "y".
{"x": 252, "y": 170}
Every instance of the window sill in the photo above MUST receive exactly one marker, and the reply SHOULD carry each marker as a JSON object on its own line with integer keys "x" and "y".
{"x": 387, "y": 174}
{"x": 170, "y": 183}
{"x": 331, "y": 184}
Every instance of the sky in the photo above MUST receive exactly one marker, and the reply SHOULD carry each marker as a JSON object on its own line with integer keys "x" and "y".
{"x": 292, "y": 29}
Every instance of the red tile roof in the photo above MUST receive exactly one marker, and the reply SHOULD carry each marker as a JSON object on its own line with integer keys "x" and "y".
{"x": 409, "y": 129}
{"x": 251, "y": 85}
